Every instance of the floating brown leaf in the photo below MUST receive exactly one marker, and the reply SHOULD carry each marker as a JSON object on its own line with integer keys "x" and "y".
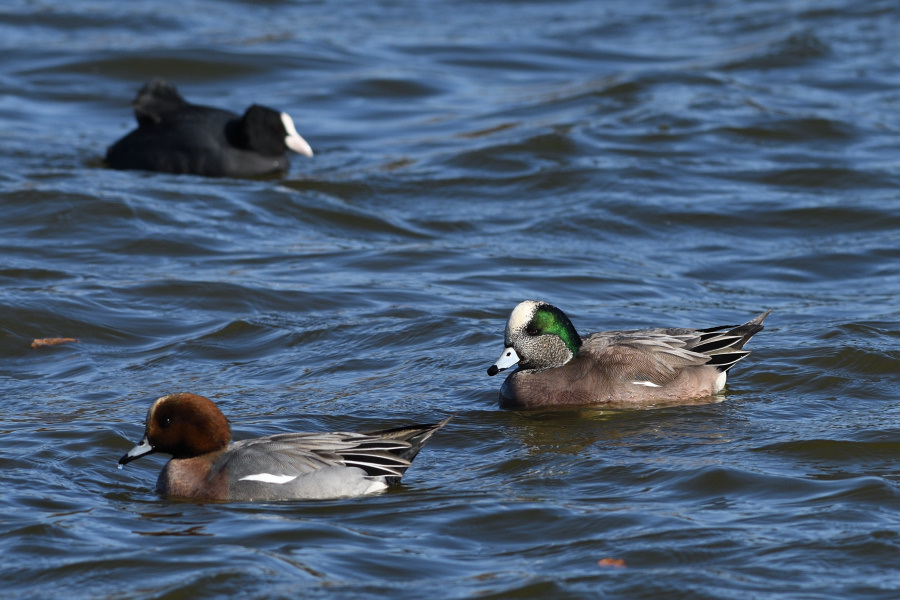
{"x": 615, "y": 563}
{"x": 52, "y": 342}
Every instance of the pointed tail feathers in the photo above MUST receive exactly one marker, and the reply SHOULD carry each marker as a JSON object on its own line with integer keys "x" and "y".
{"x": 724, "y": 344}
{"x": 392, "y": 451}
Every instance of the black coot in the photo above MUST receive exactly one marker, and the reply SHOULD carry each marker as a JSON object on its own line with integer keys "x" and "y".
{"x": 174, "y": 136}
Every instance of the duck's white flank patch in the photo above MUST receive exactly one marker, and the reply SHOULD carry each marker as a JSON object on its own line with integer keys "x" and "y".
{"x": 269, "y": 478}
{"x": 720, "y": 382}
{"x": 647, "y": 383}
{"x": 376, "y": 486}
{"x": 293, "y": 140}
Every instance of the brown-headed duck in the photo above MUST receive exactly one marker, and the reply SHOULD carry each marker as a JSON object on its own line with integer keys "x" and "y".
{"x": 174, "y": 136}
{"x": 557, "y": 368}
{"x": 205, "y": 465}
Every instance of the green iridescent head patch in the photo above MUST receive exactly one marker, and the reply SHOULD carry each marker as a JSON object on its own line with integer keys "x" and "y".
{"x": 548, "y": 319}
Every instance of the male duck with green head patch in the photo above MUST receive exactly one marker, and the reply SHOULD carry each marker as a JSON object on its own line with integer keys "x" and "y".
{"x": 557, "y": 368}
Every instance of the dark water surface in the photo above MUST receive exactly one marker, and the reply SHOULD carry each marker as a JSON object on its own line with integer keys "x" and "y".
{"x": 635, "y": 163}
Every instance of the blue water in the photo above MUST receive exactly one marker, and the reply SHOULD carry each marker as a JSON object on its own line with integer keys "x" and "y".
{"x": 635, "y": 163}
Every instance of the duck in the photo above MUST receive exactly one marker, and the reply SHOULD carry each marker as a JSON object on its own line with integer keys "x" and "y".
{"x": 175, "y": 136}
{"x": 207, "y": 465}
{"x": 558, "y": 368}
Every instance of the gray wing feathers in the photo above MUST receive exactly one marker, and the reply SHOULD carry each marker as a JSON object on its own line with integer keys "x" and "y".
{"x": 643, "y": 356}
{"x": 658, "y": 355}
{"x": 387, "y": 453}
{"x": 301, "y": 453}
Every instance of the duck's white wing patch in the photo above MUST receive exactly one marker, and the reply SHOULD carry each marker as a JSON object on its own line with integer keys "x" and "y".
{"x": 269, "y": 478}
{"x": 646, "y": 383}
{"x": 293, "y": 140}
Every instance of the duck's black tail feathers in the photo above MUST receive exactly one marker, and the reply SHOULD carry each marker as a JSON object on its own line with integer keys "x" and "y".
{"x": 724, "y": 344}
{"x": 390, "y": 452}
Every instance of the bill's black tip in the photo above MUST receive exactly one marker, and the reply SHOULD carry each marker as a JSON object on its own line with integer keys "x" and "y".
{"x": 493, "y": 370}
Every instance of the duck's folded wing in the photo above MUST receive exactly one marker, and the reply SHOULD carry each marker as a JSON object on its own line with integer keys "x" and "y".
{"x": 296, "y": 454}
{"x": 651, "y": 357}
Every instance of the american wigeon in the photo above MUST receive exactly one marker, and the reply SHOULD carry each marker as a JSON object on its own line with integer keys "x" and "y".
{"x": 174, "y": 136}
{"x": 205, "y": 465}
{"x": 559, "y": 368}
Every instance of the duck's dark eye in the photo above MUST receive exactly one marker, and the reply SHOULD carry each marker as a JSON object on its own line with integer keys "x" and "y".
{"x": 531, "y": 329}
{"x": 166, "y": 422}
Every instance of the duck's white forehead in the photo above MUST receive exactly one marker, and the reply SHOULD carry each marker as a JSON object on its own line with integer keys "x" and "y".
{"x": 152, "y": 410}
{"x": 521, "y": 315}
{"x": 156, "y": 404}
